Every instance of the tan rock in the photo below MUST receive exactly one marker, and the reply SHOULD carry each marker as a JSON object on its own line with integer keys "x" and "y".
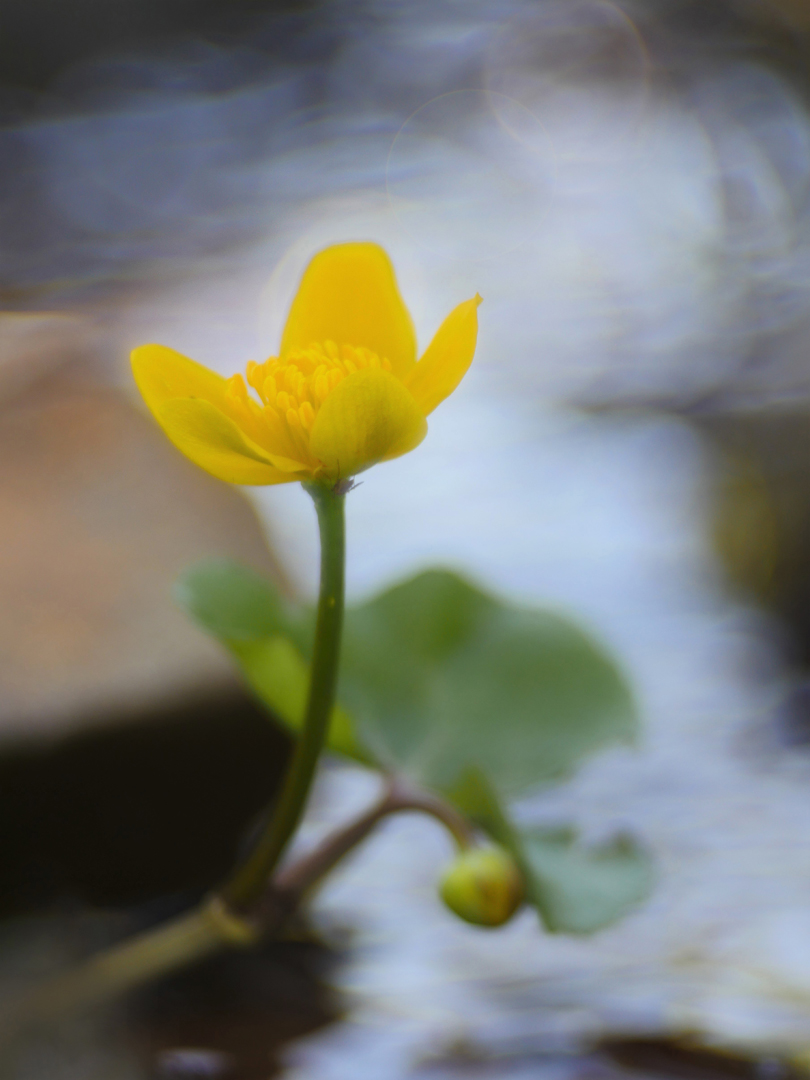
{"x": 98, "y": 515}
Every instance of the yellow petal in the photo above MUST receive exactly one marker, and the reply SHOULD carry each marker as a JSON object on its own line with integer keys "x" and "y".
{"x": 349, "y": 295}
{"x": 447, "y": 357}
{"x": 367, "y": 418}
{"x": 163, "y": 374}
{"x": 214, "y": 442}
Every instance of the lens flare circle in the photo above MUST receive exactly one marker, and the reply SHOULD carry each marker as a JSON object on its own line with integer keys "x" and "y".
{"x": 471, "y": 167}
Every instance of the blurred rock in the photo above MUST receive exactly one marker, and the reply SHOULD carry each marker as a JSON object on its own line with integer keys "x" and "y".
{"x": 33, "y": 343}
{"x": 98, "y": 514}
{"x": 761, "y": 512}
{"x": 131, "y": 758}
{"x": 227, "y": 1017}
{"x": 159, "y": 806}
{"x": 233, "y": 1014}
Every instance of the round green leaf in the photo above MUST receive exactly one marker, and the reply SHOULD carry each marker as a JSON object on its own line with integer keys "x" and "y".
{"x": 442, "y": 677}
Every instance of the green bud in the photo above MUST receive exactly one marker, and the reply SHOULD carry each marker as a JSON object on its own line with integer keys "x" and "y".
{"x": 483, "y": 886}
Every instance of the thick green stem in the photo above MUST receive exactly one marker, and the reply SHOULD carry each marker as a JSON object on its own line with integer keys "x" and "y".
{"x": 187, "y": 939}
{"x": 213, "y": 926}
{"x": 250, "y": 881}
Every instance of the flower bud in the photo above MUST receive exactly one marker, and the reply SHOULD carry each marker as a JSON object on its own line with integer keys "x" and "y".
{"x": 483, "y": 886}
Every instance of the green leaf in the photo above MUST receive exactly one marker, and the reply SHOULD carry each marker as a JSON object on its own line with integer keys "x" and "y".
{"x": 470, "y": 696}
{"x": 475, "y": 796}
{"x": 233, "y": 602}
{"x": 575, "y": 889}
{"x": 263, "y": 633}
{"x": 441, "y": 677}
{"x": 279, "y": 676}
{"x": 580, "y": 889}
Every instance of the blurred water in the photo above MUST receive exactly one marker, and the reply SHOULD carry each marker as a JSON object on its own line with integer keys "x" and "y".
{"x": 616, "y": 541}
{"x": 633, "y": 208}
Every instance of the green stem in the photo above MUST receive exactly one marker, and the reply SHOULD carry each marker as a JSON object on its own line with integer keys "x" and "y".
{"x": 213, "y": 926}
{"x": 250, "y": 880}
{"x": 205, "y": 930}
{"x": 295, "y": 880}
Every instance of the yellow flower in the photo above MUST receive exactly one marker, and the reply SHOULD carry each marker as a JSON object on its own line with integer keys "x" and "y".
{"x": 345, "y": 391}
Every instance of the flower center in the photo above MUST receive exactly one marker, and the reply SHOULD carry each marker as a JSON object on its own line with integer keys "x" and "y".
{"x": 296, "y": 386}
{"x": 293, "y": 389}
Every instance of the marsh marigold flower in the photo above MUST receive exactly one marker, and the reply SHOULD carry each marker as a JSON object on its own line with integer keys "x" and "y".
{"x": 345, "y": 391}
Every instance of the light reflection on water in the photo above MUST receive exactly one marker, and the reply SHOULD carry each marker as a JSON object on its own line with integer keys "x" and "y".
{"x": 634, "y": 237}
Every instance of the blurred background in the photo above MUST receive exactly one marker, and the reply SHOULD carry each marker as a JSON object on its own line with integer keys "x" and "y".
{"x": 627, "y": 184}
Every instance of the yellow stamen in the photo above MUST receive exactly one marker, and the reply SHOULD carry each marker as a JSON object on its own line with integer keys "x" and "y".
{"x": 321, "y": 384}
{"x": 293, "y": 389}
{"x": 255, "y": 375}
{"x": 237, "y": 391}
{"x": 291, "y": 378}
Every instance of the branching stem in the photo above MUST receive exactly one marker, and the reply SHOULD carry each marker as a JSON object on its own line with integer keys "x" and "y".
{"x": 254, "y": 903}
{"x": 213, "y": 926}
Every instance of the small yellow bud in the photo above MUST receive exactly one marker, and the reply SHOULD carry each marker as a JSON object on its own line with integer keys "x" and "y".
{"x": 483, "y": 886}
